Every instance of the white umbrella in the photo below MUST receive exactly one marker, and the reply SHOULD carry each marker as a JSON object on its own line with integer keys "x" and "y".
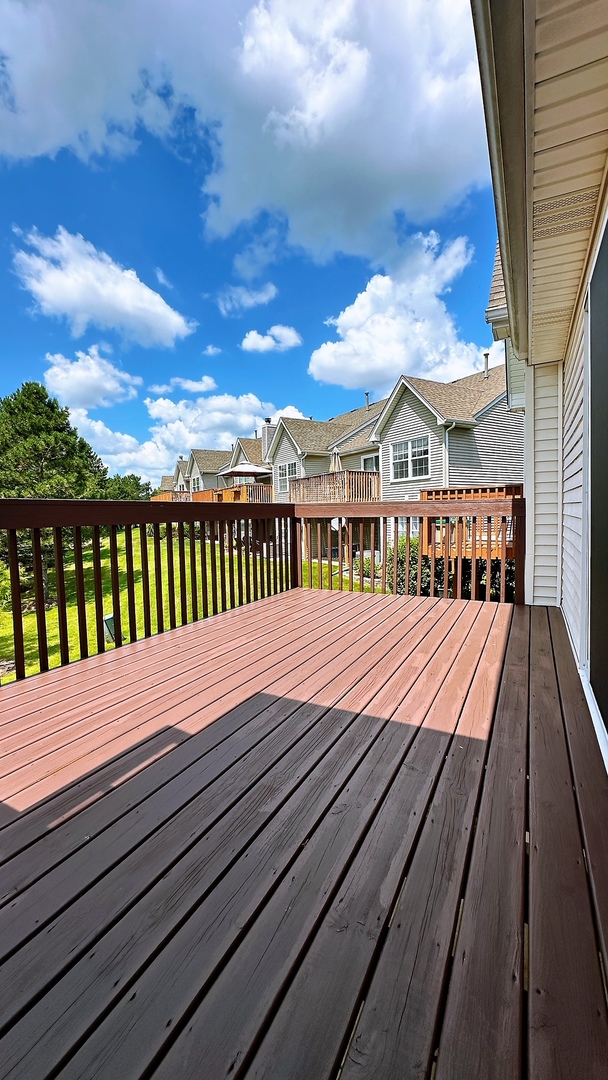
{"x": 246, "y": 470}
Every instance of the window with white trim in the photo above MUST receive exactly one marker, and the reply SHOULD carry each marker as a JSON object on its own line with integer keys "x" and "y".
{"x": 410, "y": 459}
{"x": 287, "y": 472}
{"x": 370, "y": 463}
{"x": 196, "y": 483}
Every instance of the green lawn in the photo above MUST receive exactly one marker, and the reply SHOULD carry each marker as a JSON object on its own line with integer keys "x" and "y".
{"x": 29, "y": 618}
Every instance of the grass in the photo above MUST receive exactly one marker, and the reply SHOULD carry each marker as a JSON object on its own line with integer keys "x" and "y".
{"x": 30, "y": 634}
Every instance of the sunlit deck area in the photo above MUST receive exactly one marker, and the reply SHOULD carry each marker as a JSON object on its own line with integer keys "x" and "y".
{"x": 324, "y": 835}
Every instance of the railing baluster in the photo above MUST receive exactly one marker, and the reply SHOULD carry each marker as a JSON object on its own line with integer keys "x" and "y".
{"x": 351, "y": 557}
{"x": 193, "y": 574}
{"x": 447, "y": 544}
{"x": 372, "y": 544}
{"x": 246, "y": 544}
{"x": 213, "y": 560}
{"x": 408, "y": 538}
{"x": 361, "y": 538}
{"x": 239, "y": 560}
{"x": 81, "y": 602}
{"x": 254, "y": 557}
{"x": 263, "y": 555}
{"x": 503, "y": 561}
{"x": 115, "y": 578}
{"x": 309, "y": 551}
{"x": 130, "y": 583}
{"x": 202, "y": 543}
{"x": 295, "y": 539}
{"x": 274, "y": 539}
{"x": 474, "y": 558}
{"x": 488, "y": 558}
{"x": 62, "y": 614}
{"x": 171, "y": 576}
{"x": 421, "y": 526}
{"x": 145, "y": 579}
{"x": 183, "y": 591}
{"x": 268, "y": 545}
{"x": 98, "y": 591}
{"x": 329, "y": 561}
{"x": 459, "y": 556}
{"x": 340, "y": 556}
{"x": 13, "y": 564}
{"x": 384, "y": 551}
{"x": 158, "y": 582}
{"x": 319, "y": 557}
{"x": 43, "y": 649}
{"x": 280, "y": 529}
{"x": 433, "y": 530}
{"x": 230, "y": 539}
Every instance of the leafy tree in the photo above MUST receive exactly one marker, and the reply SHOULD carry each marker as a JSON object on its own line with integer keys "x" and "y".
{"x": 42, "y": 456}
{"x": 127, "y": 487}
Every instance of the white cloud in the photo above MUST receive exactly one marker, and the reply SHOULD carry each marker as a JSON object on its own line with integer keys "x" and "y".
{"x": 212, "y": 422}
{"x": 211, "y": 350}
{"x": 237, "y": 298}
{"x": 333, "y": 115}
{"x": 90, "y": 381}
{"x": 68, "y": 277}
{"x": 162, "y": 280}
{"x": 278, "y": 339}
{"x": 400, "y": 325}
{"x": 191, "y": 386}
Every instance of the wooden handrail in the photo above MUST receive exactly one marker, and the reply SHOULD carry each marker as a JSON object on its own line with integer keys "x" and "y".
{"x": 62, "y": 513}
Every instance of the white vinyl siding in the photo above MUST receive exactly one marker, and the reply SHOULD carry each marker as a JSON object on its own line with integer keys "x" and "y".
{"x": 546, "y": 472}
{"x": 572, "y": 485}
{"x": 490, "y": 453}
{"x": 283, "y": 455}
{"x": 410, "y": 419}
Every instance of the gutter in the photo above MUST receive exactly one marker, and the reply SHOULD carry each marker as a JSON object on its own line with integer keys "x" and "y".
{"x": 446, "y": 471}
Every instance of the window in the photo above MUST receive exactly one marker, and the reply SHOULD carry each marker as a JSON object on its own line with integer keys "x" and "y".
{"x": 286, "y": 473}
{"x": 410, "y": 459}
{"x": 371, "y": 463}
{"x": 196, "y": 483}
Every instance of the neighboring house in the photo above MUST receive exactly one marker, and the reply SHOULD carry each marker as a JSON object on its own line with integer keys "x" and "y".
{"x": 545, "y": 87}
{"x": 166, "y": 483}
{"x": 245, "y": 452}
{"x": 308, "y": 447}
{"x": 181, "y": 480}
{"x": 204, "y": 467}
{"x": 433, "y": 434}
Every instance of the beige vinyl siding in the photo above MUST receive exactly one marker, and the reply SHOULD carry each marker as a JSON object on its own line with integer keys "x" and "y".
{"x": 516, "y": 377}
{"x": 546, "y": 471}
{"x": 284, "y": 453}
{"x": 490, "y": 453}
{"x": 572, "y": 485}
{"x": 352, "y": 461}
{"x": 315, "y": 465}
{"x": 410, "y": 419}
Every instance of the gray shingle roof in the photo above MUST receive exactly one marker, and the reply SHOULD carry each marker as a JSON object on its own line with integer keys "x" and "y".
{"x": 211, "y": 461}
{"x": 181, "y": 466}
{"x": 316, "y": 436}
{"x": 253, "y": 450}
{"x": 166, "y": 483}
{"x": 463, "y": 398}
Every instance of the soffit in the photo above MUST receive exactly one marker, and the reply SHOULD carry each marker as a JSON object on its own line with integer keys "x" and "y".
{"x": 569, "y": 152}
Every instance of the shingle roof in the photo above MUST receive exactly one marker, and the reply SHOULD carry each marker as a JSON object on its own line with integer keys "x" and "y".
{"x": 463, "y": 398}
{"x": 166, "y": 483}
{"x": 316, "y": 436}
{"x": 357, "y": 442}
{"x": 181, "y": 466}
{"x": 498, "y": 296}
{"x": 253, "y": 450}
{"x": 211, "y": 461}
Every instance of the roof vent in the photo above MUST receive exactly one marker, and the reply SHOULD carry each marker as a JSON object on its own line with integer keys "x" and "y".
{"x": 367, "y": 399}
{"x": 268, "y": 419}
{"x": 486, "y": 373}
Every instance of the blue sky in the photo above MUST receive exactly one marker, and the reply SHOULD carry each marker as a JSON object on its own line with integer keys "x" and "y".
{"x": 208, "y": 217}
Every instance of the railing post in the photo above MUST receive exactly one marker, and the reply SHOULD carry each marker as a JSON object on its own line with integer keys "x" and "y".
{"x": 519, "y": 544}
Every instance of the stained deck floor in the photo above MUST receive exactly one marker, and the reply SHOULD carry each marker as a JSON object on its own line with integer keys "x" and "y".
{"x": 324, "y": 835}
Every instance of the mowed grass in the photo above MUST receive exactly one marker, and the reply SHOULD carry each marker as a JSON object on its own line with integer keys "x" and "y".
{"x": 30, "y": 632}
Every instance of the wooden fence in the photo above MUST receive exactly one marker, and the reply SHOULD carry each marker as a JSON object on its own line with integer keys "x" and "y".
{"x": 338, "y": 487}
{"x": 154, "y": 566}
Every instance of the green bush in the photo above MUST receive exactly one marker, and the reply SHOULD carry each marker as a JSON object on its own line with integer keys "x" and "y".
{"x": 410, "y": 588}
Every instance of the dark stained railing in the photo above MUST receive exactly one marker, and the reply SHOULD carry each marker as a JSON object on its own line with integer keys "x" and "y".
{"x": 83, "y": 575}
{"x": 83, "y": 571}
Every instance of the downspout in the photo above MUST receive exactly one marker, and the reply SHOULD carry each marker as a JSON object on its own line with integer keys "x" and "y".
{"x": 447, "y": 453}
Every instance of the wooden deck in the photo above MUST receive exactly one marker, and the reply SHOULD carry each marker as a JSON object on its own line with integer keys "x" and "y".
{"x": 325, "y": 835}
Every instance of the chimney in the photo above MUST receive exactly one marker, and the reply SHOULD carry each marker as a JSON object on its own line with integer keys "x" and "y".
{"x": 267, "y": 436}
{"x": 367, "y": 399}
{"x": 486, "y": 357}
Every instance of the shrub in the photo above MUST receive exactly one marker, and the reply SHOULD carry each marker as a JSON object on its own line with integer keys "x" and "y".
{"x": 410, "y": 588}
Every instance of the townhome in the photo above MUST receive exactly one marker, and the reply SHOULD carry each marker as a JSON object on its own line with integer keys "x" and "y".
{"x": 204, "y": 467}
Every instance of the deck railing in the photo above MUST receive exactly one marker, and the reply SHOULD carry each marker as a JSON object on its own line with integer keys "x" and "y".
{"x": 74, "y": 574}
{"x": 337, "y": 487}
{"x": 245, "y": 493}
{"x": 467, "y": 549}
{"x": 80, "y": 572}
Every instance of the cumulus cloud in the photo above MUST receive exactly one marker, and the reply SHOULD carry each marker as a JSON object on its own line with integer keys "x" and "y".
{"x": 90, "y": 381}
{"x": 237, "y": 298}
{"x": 278, "y": 339}
{"x": 211, "y": 350}
{"x": 69, "y": 278}
{"x": 401, "y": 325}
{"x": 191, "y": 386}
{"x": 334, "y": 116}
{"x": 212, "y": 422}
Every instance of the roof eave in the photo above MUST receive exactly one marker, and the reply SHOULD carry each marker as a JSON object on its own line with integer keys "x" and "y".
{"x": 499, "y": 33}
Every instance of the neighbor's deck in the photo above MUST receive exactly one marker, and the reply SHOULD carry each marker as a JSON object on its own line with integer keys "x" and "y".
{"x": 291, "y": 840}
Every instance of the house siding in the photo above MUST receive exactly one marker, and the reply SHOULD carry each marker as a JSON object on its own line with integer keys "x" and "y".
{"x": 315, "y": 465}
{"x": 572, "y": 486}
{"x": 411, "y": 419}
{"x": 546, "y": 475}
{"x": 352, "y": 461}
{"x": 490, "y": 453}
{"x": 284, "y": 453}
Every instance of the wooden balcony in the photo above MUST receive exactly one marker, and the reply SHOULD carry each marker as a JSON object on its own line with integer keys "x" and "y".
{"x": 322, "y": 835}
{"x": 243, "y": 493}
{"x": 347, "y": 486}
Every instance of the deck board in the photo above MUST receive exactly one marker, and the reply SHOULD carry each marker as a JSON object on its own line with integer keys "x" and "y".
{"x": 289, "y": 842}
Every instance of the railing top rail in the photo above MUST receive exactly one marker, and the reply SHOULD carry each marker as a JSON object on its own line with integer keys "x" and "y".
{"x": 502, "y": 507}
{"x": 49, "y": 513}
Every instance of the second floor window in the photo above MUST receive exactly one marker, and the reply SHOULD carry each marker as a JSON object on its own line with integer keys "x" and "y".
{"x": 286, "y": 473}
{"x": 410, "y": 459}
{"x": 196, "y": 484}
